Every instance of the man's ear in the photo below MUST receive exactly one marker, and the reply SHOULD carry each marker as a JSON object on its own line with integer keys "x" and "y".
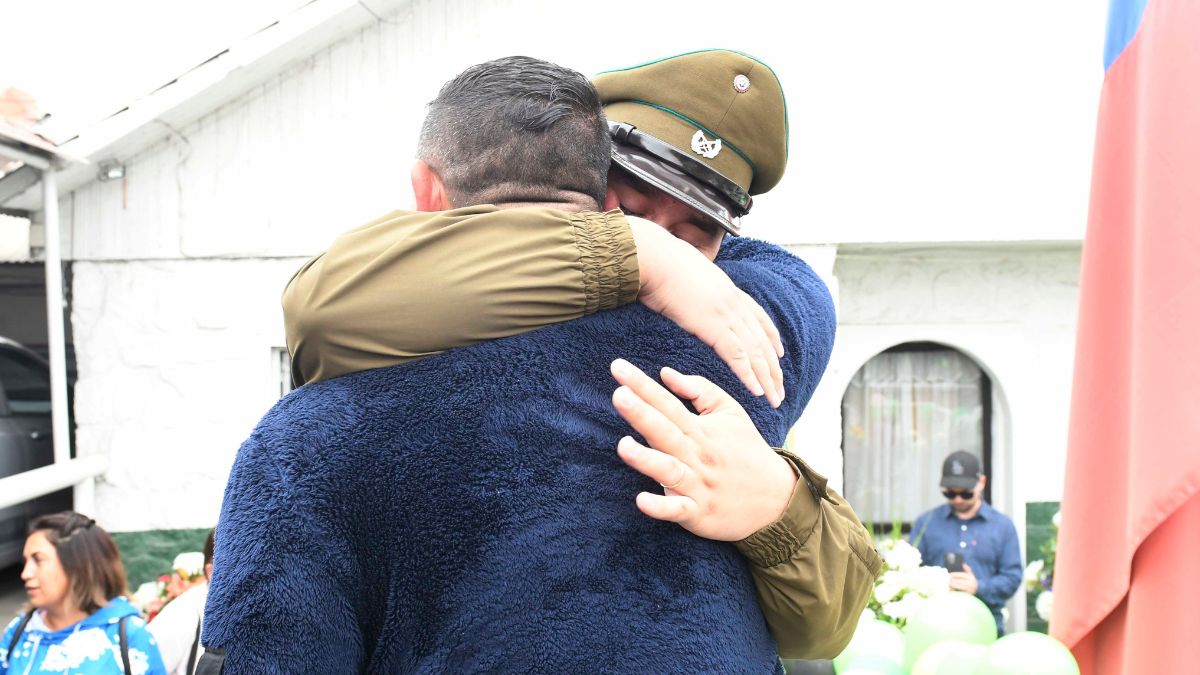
{"x": 428, "y": 188}
{"x": 610, "y": 200}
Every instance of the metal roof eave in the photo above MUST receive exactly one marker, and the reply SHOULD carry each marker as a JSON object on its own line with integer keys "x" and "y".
{"x": 204, "y": 88}
{"x": 15, "y": 183}
{"x": 25, "y": 146}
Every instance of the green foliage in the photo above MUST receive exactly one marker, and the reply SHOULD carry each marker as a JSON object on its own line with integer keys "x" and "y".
{"x": 148, "y": 554}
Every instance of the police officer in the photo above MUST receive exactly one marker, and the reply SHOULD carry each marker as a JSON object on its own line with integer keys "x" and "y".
{"x": 694, "y": 136}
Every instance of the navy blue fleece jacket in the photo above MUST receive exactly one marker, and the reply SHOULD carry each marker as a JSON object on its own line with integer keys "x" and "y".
{"x": 468, "y": 512}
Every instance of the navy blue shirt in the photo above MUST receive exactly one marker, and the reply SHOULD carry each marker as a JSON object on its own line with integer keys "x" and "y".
{"x": 988, "y": 543}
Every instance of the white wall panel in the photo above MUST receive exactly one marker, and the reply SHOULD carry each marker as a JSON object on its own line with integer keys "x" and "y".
{"x": 174, "y": 371}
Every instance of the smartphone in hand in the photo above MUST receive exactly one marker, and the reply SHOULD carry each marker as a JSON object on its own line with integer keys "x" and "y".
{"x": 953, "y": 561}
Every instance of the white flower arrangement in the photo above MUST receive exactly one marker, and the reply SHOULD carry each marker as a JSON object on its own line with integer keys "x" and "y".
{"x": 187, "y": 570}
{"x": 900, "y": 555}
{"x": 189, "y": 564}
{"x": 1044, "y": 604}
{"x": 905, "y": 584}
{"x": 1033, "y": 574}
{"x": 148, "y": 597}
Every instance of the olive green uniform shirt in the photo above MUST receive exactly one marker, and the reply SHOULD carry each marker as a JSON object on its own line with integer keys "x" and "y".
{"x": 409, "y": 285}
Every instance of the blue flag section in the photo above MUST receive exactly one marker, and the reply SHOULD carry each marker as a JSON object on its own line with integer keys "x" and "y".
{"x": 1124, "y": 18}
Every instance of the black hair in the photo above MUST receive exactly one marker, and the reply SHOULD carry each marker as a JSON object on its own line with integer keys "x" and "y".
{"x": 517, "y": 129}
{"x": 210, "y": 544}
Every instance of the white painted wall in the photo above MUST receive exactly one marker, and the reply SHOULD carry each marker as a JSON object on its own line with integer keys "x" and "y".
{"x": 174, "y": 372}
{"x": 911, "y": 122}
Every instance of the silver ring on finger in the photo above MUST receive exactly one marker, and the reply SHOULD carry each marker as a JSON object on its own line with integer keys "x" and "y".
{"x": 682, "y": 475}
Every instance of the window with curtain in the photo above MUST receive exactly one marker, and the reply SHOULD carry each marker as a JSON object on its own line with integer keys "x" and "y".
{"x": 904, "y": 411}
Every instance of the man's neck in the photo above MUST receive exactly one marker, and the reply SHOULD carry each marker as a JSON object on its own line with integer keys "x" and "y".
{"x": 514, "y": 196}
{"x": 568, "y": 206}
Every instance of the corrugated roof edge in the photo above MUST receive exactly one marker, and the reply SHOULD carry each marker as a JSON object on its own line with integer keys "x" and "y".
{"x": 219, "y": 79}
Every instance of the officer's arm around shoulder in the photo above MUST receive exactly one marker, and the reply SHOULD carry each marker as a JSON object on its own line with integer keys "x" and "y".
{"x": 814, "y": 569}
{"x": 410, "y": 285}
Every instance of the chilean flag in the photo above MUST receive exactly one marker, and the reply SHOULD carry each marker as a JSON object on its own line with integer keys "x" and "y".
{"x": 1126, "y": 582}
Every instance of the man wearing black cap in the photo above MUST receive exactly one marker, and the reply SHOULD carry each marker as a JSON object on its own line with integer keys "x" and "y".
{"x": 968, "y": 526}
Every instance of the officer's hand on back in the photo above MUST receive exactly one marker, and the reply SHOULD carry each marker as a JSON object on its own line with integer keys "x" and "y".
{"x": 721, "y": 479}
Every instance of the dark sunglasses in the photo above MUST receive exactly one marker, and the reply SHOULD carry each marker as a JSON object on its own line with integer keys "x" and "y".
{"x": 955, "y": 494}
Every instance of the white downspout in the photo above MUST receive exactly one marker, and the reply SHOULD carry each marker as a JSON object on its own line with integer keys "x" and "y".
{"x": 56, "y": 334}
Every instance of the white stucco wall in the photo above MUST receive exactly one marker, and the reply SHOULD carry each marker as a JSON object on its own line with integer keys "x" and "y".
{"x": 175, "y": 370}
{"x": 941, "y": 121}
{"x": 1012, "y": 308}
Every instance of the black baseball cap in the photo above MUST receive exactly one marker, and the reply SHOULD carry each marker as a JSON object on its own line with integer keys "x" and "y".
{"x": 960, "y": 470}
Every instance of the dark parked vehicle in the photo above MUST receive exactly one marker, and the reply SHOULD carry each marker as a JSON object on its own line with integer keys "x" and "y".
{"x": 26, "y": 440}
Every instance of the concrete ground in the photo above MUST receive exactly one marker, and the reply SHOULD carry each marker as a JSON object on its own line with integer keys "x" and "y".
{"x": 12, "y": 593}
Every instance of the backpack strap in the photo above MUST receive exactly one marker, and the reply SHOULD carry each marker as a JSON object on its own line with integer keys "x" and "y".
{"x": 12, "y": 644}
{"x": 191, "y": 667}
{"x": 124, "y": 645}
{"x": 212, "y": 662}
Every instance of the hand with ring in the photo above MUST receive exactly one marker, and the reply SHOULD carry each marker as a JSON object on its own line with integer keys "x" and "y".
{"x": 721, "y": 480}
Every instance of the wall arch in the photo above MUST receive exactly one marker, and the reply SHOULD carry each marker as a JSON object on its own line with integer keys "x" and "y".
{"x": 902, "y": 411}
{"x": 818, "y": 434}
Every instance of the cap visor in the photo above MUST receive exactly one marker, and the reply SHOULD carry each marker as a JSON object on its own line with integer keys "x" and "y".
{"x": 959, "y": 482}
{"x": 681, "y": 186}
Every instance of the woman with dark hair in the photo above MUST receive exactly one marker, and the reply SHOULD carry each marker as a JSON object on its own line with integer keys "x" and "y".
{"x": 79, "y": 621}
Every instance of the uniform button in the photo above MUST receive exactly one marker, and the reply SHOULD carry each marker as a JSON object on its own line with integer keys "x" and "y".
{"x": 962, "y": 544}
{"x": 964, "y": 528}
{"x": 741, "y": 84}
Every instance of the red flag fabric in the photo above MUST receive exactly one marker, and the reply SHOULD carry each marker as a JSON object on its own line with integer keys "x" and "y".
{"x": 1126, "y": 590}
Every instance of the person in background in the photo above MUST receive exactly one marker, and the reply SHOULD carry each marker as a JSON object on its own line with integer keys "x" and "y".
{"x": 967, "y": 525}
{"x": 177, "y": 626}
{"x": 78, "y": 621}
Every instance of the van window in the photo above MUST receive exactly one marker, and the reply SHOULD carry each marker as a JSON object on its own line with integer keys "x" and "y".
{"x": 25, "y": 383}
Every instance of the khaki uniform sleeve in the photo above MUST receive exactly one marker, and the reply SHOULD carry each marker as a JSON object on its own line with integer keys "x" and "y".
{"x": 814, "y": 569}
{"x": 410, "y": 285}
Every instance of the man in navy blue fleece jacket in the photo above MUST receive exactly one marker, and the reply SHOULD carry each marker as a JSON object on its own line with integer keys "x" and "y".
{"x": 533, "y": 559}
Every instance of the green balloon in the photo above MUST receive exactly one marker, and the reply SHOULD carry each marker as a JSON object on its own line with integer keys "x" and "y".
{"x": 949, "y": 616}
{"x": 873, "y": 665}
{"x": 872, "y": 638}
{"x": 949, "y": 657}
{"x": 1028, "y": 653}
